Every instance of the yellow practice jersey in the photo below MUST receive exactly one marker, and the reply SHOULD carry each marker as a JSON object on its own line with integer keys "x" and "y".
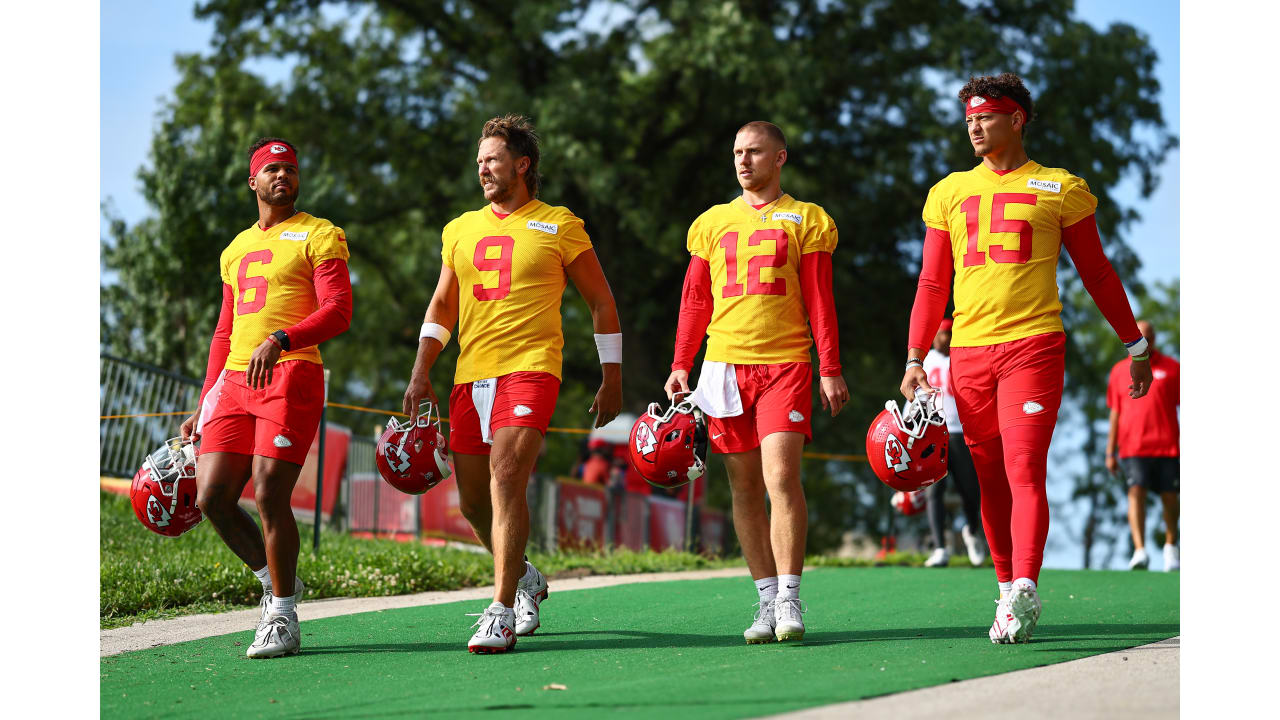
{"x": 511, "y": 278}
{"x": 1006, "y": 233}
{"x": 758, "y": 315}
{"x": 270, "y": 274}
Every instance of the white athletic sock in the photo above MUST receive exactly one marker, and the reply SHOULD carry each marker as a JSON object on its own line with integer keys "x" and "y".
{"x": 1005, "y": 588}
{"x": 767, "y": 589}
{"x": 788, "y": 586}
{"x": 264, "y": 577}
{"x": 283, "y": 605}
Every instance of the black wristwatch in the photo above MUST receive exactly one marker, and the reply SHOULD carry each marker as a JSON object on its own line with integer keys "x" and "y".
{"x": 281, "y": 337}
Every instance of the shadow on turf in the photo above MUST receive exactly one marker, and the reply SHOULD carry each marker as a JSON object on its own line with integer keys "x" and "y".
{"x": 1138, "y": 634}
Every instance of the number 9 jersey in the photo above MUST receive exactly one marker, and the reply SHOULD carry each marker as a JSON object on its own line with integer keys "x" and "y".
{"x": 1006, "y": 233}
{"x": 271, "y": 277}
{"x": 758, "y": 315}
{"x": 511, "y": 279}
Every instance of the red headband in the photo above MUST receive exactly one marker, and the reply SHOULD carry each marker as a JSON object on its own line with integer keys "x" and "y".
{"x": 272, "y": 152}
{"x": 1001, "y": 105}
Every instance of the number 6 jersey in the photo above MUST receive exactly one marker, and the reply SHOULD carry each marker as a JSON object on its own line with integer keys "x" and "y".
{"x": 1006, "y": 233}
{"x": 271, "y": 277}
{"x": 511, "y": 278}
{"x": 758, "y": 315}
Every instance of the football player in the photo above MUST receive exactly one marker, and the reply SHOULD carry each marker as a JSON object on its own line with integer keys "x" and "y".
{"x": 502, "y": 278}
{"x": 998, "y": 228}
{"x": 285, "y": 290}
{"x": 758, "y": 278}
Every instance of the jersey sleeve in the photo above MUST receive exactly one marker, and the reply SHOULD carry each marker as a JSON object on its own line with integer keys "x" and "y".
{"x": 327, "y": 244}
{"x": 1077, "y": 202}
{"x": 696, "y": 241}
{"x": 446, "y": 245}
{"x": 573, "y": 240}
{"x": 820, "y": 235}
{"x": 935, "y": 212}
{"x": 223, "y": 272}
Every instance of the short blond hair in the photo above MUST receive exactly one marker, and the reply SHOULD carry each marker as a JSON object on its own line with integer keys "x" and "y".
{"x": 773, "y": 131}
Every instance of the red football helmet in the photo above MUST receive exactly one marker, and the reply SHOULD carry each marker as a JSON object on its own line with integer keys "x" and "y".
{"x": 164, "y": 489}
{"x": 669, "y": 448}
{"x": 413, "y": 457}
{"x": 908, "y": 449}
{"x": 909, "y": 503}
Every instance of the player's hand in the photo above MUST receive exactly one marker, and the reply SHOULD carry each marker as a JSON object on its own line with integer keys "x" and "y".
{"x": 608, "y": 401}
{"x": 913, "y": 380}
{"x": 834, "y": 393}
{"x": 261, "y": 364}
{"x": 677, "y": 382}
{"x": 419, "y": 389}
{"x": 188, "y": 428}
{"x": 1112, "y": 465}
{"x": 1140, "y": 374}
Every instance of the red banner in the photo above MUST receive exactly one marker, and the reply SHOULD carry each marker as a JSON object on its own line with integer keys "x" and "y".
{"x": 713, "y": 525}
{"x": 580, "y": 514}
{"x": 631, "y": 522}
{"x": 442, "y": 513}
{"x": 303, "y": 500}
{"x": 666, "y": 523}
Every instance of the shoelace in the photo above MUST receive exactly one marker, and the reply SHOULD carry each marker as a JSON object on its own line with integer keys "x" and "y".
{"x": 491, "y": 615}
{"x": 793, "y": 605}
{"x": 272, "y": 626}
{"x": 525, "y": 598}
{"x": 761, "y": 609}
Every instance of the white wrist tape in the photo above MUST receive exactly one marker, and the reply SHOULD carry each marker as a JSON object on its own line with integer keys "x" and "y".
{"x": 434, "y": 330}
{"x": 609, "y": 347}
{"x": 1138, "y": 347}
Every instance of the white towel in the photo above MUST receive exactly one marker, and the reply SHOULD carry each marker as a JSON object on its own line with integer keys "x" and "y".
{"x": 210, "y": 402}
{"x": 717, "y": 390}
{"x": 482, "y": 392}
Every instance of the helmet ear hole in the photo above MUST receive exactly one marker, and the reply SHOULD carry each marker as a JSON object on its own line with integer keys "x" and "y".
{"x": 672, "y": 436}
{"x": 927, "y": 452}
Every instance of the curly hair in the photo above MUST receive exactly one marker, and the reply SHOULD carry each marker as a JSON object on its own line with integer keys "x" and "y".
{"x": 521, "y": 139}
{"x": 1002, "y": 85}
{"x": 264, "y": 140}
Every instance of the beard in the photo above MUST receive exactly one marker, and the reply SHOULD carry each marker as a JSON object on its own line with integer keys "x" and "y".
{"x": 502, "y": 190}
{"x": 277, "y": 198}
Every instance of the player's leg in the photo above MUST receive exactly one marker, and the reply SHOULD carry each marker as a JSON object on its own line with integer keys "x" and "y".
{"x": 937, "y": 511}
{"x": 515, "y": 450}
{"x": 470, "y": 463}
{"x": 788, "y": 527}
{"x": 751, "y": 523}
{"x": 961, "y": 470}
{"x": 1135, "y": 470}
{"x": 1169, "y": 485}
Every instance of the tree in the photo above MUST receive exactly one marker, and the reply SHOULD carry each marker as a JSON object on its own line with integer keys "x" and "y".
{"x": 637, "y": 103}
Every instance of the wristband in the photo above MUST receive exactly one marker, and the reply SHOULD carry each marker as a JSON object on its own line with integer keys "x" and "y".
{"x": 434, "y": 330}
{"x": 610, "y": 347}
{"x": 914, "y": 361}
{"x": 1137, "y": 347}
{"x": 1141, "y": 358}
{"x": 281, "y": 338}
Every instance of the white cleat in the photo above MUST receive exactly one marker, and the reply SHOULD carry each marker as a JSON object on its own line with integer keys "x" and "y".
{"x": 1139, "y": 561}
{"x": 529, "y": 597}
{"x": 940, "y": 557}
{"x": 1172, "y": 561}
{"x": 973, "y": 545}
{"x": 299, "y": 589}
{"x": 1024, "y": 606}
{"x": 786, "y": 618}
{"x": 761, "y": 630}
{"x": 999, "y": 632}
{"x": 277, "y": 635}
{"x": 496, "y": 633}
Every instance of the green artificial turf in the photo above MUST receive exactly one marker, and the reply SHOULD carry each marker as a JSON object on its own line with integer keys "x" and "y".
{"x": 670, "y": 648}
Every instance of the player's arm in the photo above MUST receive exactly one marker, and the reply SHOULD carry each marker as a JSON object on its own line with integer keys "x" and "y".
{"x": 588, "y": 277}
{"x": 932, "y": 291}
{"x": 696, "y": 304}
{"x": 1100, "y": 280}
{"x": 820, "y": 304}
{"x": 219, "y": 349}
{"x": 437, "y": 327}
{"x": 1113, "y": 429}
{"x": 331, "y": 318}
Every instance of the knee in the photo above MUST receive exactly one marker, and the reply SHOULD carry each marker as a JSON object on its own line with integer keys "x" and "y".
{"x": 474, "y": 512}
{"x": 216, "y": 501}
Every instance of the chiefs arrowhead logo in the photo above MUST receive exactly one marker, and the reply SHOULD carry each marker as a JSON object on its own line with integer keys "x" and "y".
{"x": 895, "y": 456}
{"x": 156, "y": 512}
{"x": 976, "y": 100}
{"x": 646, "y": 443}
{"x": 397, "y": 459}
{"x": 278, "y": 149}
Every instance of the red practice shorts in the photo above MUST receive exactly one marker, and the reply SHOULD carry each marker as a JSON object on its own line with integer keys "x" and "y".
{"x": 523, "y": 399}
{"x": 775, "y": 398}
{"x": 1009, "y": 384}
{"x": 279, "y": 421}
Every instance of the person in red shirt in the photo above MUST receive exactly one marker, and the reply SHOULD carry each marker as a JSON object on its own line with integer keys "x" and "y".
{"x": 1143, "y": 439}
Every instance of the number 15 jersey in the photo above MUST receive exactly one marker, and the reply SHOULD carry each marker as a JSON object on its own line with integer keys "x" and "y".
{"x": 511, "y": 278}
{"x": 1006, "y": 233}
{"x": 758, "y": 315}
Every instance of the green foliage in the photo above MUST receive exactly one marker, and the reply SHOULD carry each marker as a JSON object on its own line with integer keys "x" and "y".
{"x": 385, "y": 101}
